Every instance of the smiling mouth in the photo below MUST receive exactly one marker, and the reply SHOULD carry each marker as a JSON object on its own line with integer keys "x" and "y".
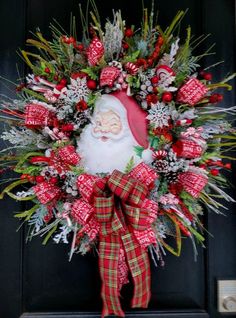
{"x": 103, "y": 138}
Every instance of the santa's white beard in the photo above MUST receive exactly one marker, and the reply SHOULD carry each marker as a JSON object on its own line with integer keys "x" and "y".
{"x": 105, "y": 156}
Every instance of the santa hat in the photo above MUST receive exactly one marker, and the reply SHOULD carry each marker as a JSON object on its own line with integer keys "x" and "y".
{"x": 136, "y": 117}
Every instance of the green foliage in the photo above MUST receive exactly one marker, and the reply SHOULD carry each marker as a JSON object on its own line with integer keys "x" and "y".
{"x": 138, "y": 150}
{"x": 130, "y": 165}
{"x": 133, "y": 81}
{"x": 154, "y": 141}
{"x": 93, "y": 72}
{"x": 28, "y": 213}
{"x": 50, "y": 233}
{"x": 132, "y": 57}
{"x": 92, "y": 99}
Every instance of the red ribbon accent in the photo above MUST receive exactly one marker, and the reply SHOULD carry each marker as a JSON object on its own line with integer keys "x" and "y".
{"x": 60, "y": 159}
{"x": 118, "y": 205}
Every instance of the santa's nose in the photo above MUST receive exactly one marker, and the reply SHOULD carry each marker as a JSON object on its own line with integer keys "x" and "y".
{"x": 104, "y": 129}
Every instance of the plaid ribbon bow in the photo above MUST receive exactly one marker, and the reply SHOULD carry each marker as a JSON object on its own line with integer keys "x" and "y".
{"x": 121, "y": 209}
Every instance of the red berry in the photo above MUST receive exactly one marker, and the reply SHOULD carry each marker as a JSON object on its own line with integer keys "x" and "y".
{"x": 65, "y": 39}
{"x": 91, "y": 84}
{"x": 207, "y": 76}
{"x": 141, "y": 62}
{"x": 151, "y": 99}
{"x": 78, "y": 75}
{"x": 20, "y": 87}
{"x": 24, "y": 176}
{"x": 154, "y": 80}
{"x": 167, "y": 97}
{"x": 155, "y": 54}
{"x": 125, "y": 45}
{"x": 168, "y": 137}
{"x": 59, "y": 87}
{"x": 150, "y": 61}
{"x": 47, "y": 218}
{"x": 63, "y": 81}
{"x": 129, "y": 33}
{"x": 228, "y": 165}
{"x": 79, "y": 47}
{"x": 81, "y": 105}
{"x": 71, "y": 40}
{"x": 47, "y": 70}
{"x": 160, "y": 41}
{"x": 53, "y": 180}
{"x": 214, "y": 172}
{"x": 31, "y": 178}
{"x": 213, "y": 98}
{"x": 220, "y": 97}
{"x": 67, "y": 127}
{"x": 219, "y": 163}
{"x": 39, "y": 179}
{"x": 55, "y": 78}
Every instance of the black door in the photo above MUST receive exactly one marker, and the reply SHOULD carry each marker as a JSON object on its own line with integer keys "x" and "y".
{"x": 38, "y": 281}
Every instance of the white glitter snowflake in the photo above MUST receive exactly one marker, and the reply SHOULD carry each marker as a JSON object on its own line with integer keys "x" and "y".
{"x": 159, "y": 115}
{"x": 63, "y": 235}
{"x": 76, "y": 91}
{"x": 31, "y": 79}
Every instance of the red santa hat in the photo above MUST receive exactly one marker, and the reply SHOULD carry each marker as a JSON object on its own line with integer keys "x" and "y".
{"x": 136, "y": 117}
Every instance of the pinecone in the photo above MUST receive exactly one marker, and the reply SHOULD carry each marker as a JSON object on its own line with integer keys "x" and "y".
{"x": 162, "y": 166}
{"x": 171, "y": 177}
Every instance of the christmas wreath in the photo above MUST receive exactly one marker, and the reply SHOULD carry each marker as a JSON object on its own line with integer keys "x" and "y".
{"x": 118, "y": 142}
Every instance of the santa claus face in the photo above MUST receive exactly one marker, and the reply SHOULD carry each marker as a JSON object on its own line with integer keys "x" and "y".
{"x": 107, "y": 143}
{"x": 107, "y": 125}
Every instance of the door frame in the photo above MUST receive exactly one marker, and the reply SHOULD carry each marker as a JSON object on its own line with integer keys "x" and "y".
{"x": 134, "y": 314}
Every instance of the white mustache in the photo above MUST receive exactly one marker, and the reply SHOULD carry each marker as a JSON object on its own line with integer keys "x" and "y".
{"x": 107, "y": 135}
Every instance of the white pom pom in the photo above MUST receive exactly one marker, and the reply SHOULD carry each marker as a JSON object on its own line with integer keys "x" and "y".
{"x": 48, "y": 153}
{"x": 147, "y": 155}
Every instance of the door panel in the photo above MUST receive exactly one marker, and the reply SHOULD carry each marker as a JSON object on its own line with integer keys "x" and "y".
{"x": 38, "y": 281}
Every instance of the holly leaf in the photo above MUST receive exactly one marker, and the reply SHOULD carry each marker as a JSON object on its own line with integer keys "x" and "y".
{"x": 133, "y": 81}
{"x": 138, "y": 150}
{"x": 132, "y": 58}
{"x": 92, "y": 72}
{"x": 91, "y": 99}
{"x": 154, "y": 142}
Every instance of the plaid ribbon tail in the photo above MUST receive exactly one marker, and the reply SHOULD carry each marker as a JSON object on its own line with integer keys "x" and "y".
{"x": 139, "y": 266}
{"x": 109, "y": 248}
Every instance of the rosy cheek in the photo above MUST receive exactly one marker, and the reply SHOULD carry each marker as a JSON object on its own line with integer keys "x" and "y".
{"x": 116, "y": 130}
{"x": 95, "y": 129}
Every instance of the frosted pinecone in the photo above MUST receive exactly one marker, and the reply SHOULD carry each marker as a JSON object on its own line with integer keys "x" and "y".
{"x": 162, "y": 166}
{"x": 81, "y": 119}
{"x": 171, "y": 177}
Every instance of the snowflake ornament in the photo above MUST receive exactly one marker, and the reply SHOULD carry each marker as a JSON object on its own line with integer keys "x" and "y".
{"x": 159, "y": 115}
{"x": 75, "y": 91}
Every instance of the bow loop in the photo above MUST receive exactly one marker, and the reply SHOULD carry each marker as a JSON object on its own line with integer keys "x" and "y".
{"x": 120, "y": 185}
{"x": 138, "y": 194}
